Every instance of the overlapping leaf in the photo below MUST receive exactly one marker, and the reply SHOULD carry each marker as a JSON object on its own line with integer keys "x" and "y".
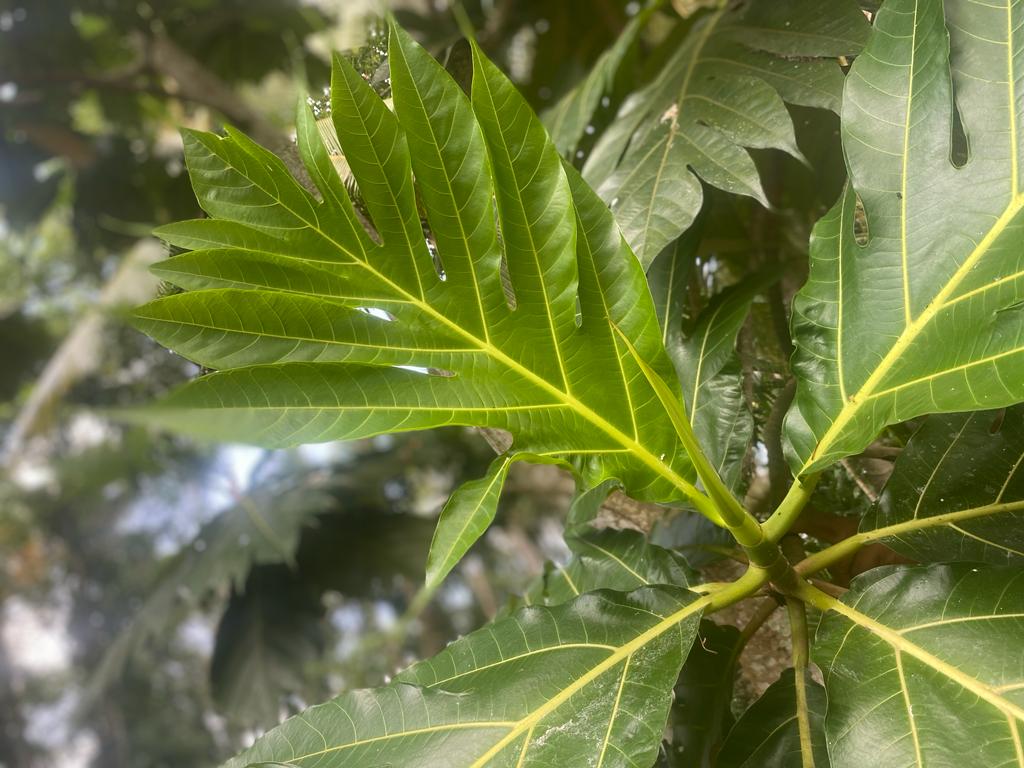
{"x": 768, "y": 732}
{"x": 705, "y": 358}
{"x": 924, "y": 666}
{"x": 701, "y": 710}
{"x": 585, "y": 683}
{"x": 620, "y": 560}
{"x": 926, "y": 316}
{"x": 268, "y": 637}
{"x": 567, "y": 120}
{"x": 957, "y": 492}
{"x": 721, "y": 90}
{"x": 325, "y": 330}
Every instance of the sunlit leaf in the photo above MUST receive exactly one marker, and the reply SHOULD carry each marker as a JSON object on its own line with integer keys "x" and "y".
{"x": 322, "y": 329}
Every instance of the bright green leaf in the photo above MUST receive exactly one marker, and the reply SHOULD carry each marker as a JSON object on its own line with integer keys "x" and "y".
{"x": 926, "y": 316}
{"x": 284, "y": 281}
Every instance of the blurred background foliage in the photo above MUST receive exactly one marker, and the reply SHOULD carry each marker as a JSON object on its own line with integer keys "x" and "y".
{"x": 161, "y": 601}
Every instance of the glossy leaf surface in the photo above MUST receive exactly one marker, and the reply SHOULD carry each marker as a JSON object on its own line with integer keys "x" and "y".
{"x": 925, "y": 317}
{"x": 586, "y": 683}
{"x": 957, "y": 492}
{"x": 767, "y": 734}
{"x": 701, "y": 711}
{"x": 923, "y": 666}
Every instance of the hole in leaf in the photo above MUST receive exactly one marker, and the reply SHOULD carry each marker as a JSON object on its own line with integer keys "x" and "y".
{"x": 860, "y": 223}
{"x": 506, "y": 277}
{"x": 959, "y": 146}
{"x": 329, "y": 136}
{"x": 352, "y": 187}
{"x": 377, "y": 312}
{"x": 435, "y": 255}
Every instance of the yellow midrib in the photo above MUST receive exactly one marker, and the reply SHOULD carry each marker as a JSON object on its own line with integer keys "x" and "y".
{"x": 905, "y": 690}
{"x": 803, "y": 717}
{"x": 902, "y": 645}
{"x": 451, "y": 192}
{"x": 528, "y": 723}
{"x": 644, "y": 455}
{"x": 816, "y": 562}
{"x": 623, "y": 652}
{"x": 533, "y": 246}
{"x": 854, "y": 403}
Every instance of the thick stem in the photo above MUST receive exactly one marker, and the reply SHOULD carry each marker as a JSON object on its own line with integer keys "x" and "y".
{"x": 821, "y": 560}
{"x": 785, "y": 516}
{"x": 746, "y": 585}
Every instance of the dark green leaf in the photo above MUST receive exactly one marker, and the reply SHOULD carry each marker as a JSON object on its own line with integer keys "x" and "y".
{"x": 923, "y": 667}
{"x": 269, "y": 631}
{"x": 701, "y": 712}
{"x": 957, "y": 491}
{"x": 715, "y": 97}
{"x": 262, "y": 528}
{"x": 619, "y": 560}
{"x": 768, "y": 732}
{"x": 705, "y": 360}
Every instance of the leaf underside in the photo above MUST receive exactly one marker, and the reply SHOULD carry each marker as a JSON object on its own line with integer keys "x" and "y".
{"x": 326, "y": 321}
{"x": 721, "y": 91}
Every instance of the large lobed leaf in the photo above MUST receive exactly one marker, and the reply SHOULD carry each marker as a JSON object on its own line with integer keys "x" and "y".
{"x": 323, "y": 329}
{"x": 585, "y": 683}
{"x": 721, "y": 90}
{"x": 924, "y": 667}
{"x": 925, "y": 316}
